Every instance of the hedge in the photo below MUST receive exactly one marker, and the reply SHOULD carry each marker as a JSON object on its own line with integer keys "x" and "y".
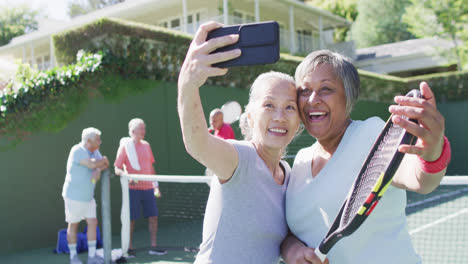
{"x": 154, "y": 52}
{"x": 49, "y": 100}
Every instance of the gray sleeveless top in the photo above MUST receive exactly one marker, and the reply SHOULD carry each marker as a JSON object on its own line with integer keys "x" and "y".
{"x": 245, "y": 217}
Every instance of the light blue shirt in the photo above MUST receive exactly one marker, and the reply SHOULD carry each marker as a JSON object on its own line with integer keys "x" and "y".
{"x": 244, "y": 218}
{"x": 78, "y": 185}
{"x": 312, "y": 203}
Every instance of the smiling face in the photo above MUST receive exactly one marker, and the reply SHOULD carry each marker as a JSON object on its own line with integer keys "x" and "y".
{"x": 322, "y": 103}
{"x": 274, "y": 118}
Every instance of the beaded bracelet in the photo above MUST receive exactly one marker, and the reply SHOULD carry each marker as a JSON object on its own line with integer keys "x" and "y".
{"x": 441, "y": 163}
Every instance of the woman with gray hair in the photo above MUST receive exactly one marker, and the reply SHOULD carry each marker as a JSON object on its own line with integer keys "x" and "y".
{"x": 244, "y": 219}
{"x": 328, "y": 86}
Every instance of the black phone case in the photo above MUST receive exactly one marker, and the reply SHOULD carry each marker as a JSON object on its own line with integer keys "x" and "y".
{"x": 259, "y": 43}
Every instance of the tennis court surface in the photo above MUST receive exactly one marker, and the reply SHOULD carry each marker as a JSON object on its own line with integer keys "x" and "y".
{"x": 181, "y": 240}
{"x": 438, "y": 224}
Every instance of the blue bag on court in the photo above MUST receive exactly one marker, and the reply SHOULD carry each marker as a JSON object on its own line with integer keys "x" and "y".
{"x": 81, "y": 241}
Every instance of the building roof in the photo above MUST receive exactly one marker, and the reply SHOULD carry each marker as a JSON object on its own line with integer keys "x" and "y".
{"x": 124, "y": 9}
{"x": 120, "y": 10}
{"x": 404, "y": 48}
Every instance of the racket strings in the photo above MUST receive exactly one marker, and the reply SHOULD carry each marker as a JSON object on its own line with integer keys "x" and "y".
{"x": 378, "y": 163}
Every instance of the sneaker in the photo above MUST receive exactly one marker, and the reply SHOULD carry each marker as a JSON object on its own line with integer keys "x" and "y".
{"x": 95, "y": 260}
{"x": 75, "y": 260}
{"x": 157, "y": 251}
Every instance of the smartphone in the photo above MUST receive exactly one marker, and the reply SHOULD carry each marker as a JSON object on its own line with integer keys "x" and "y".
{"x": 259, "y": 43}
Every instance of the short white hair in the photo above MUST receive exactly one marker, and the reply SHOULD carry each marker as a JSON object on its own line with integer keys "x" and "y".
{"x": 89, "y": 133}
{"x": 260, "y": 81}
{"x": 133, "y": 124}
{"x": 216, "y": 111}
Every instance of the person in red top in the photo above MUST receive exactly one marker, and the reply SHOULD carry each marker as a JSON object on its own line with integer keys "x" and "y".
{"x": 134, "y": 156}
{"x": 217, "y": 125}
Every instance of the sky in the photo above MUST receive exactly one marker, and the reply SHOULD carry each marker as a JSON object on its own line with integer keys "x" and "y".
{"x": 56, "y": 9}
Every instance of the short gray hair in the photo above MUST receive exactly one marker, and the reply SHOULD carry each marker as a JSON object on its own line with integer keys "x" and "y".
{"x": 216, "y": 111}
{"x": 89, "y": 133}
{"x": 133, "y": 124}
{"x": 342, "y": 67}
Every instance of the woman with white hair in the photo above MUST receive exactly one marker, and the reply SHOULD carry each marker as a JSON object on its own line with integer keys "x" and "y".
{"x": 134, "y": 156}
{"x": 244, "y": 219}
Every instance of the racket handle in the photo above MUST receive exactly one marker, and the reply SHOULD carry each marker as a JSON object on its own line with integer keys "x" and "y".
{"x": 319, "y": 254}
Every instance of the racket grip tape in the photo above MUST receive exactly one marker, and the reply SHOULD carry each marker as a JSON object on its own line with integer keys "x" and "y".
{"x": 320, "y": 255}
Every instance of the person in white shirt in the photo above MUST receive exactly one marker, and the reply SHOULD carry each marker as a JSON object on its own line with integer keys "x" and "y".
{"x": 328, "y": 86}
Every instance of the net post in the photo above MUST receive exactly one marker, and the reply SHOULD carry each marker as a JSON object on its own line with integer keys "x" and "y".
{"x": 106, "y": 216}
{"x": 125, "y": 216}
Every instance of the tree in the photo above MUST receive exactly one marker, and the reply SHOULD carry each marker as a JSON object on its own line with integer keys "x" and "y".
{"x": 80, "y": 7}
{"x": 16, "y": 21}
{"x": 444, "y": 18}
{"x": 380, "y": 22}
{"x": 344, "y": 8}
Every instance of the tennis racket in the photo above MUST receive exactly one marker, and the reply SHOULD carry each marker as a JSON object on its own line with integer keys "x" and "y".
{"x": 373, "y": 180}
{"x": 231, "y": 111}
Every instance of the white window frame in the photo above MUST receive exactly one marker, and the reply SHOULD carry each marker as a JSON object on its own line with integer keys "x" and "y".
{"x": 196, "y": 14}
{"x": 244, "y": 16}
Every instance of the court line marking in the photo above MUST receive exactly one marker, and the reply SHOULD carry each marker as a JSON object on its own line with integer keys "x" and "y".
{"x": 438, "y": 197}
{"x": 441, "y": 220}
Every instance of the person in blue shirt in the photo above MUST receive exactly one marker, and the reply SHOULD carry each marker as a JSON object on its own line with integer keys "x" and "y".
{"x": 84, "y": 166}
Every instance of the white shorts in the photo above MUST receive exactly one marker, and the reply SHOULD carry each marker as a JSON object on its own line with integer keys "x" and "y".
{"x": 75, "y": 211}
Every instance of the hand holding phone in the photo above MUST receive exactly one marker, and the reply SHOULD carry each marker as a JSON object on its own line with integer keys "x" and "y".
{"x": 197, "y": 66}
{"x": 259, "y": 43}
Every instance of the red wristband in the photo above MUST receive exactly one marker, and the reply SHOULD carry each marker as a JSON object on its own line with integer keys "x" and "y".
{"x": 441, "y": 163}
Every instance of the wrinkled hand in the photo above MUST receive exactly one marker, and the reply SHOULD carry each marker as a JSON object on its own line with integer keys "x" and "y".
{"x": 306, "y": 255}
{"x": 197, "y": 64}
{"x": 157, "y": 192}
{"x": 106, "y": 162}
{"x": 96, "y": 175}
{"x": 430, "y": 130}
{"x": 132, "y": 182}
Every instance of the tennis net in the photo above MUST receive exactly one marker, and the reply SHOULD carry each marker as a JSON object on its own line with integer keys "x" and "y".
{"x": 438, "y": 222}
{"x": 181, "y": 210}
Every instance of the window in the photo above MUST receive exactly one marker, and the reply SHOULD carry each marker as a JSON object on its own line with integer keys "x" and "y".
{"x": 193, "y": 21}
{"x": 237, "y": 14}
{"x": 175, "y": 23}
{"x": 240, "y": 17}
{"x": 249, "y": 18}
{"x": 304, "y": 41}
